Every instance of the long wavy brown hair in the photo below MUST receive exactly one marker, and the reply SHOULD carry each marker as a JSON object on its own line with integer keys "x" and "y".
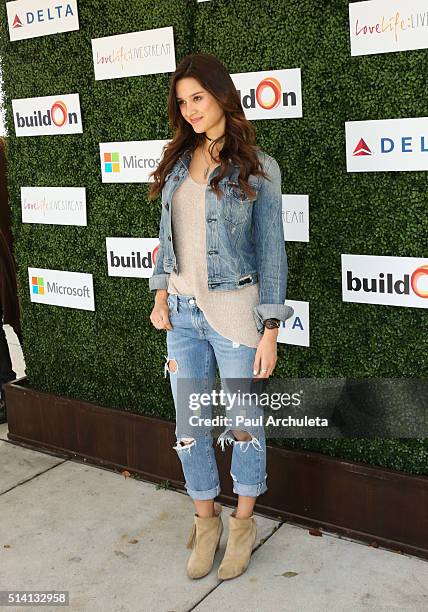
{"x": 240, "y": 135}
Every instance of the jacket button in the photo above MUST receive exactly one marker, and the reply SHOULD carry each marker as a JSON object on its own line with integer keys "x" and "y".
{"x": 169, "y": 237}
{"x": 176, "y": 178}
{"x": 212, "y": 252}
{"x": 167, "y": 205}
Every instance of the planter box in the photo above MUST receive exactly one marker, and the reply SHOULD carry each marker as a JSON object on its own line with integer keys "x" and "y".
{"x": 370, "y": 504}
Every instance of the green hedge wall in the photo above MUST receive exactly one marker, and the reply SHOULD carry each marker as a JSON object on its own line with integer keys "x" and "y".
{"x": 114, "y": 356}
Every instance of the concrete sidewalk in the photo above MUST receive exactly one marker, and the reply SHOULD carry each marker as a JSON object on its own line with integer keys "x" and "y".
{"x": 119, "y": 544}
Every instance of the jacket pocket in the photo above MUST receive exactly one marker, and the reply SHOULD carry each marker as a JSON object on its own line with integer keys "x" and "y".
{"x": 237, "y": 205}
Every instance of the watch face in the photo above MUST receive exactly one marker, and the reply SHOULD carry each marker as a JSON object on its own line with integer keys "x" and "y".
{"x": 271, "y": 323}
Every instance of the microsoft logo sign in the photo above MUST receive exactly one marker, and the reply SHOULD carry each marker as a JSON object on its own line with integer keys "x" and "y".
{"x": 38, "y": 285}
{"x": 111, "y": 162}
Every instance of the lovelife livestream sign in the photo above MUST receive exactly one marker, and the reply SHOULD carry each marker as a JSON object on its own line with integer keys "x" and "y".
{"x": 382, "y": 26}
{"x": 54, "y": 205}
{"x": 134, "y": 54}
{"x": 28, "y": 19}
{"x": 295, "y": 217}
{"x": 387, "y": 144}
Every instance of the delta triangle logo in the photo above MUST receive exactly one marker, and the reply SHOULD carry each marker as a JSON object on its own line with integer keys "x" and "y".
{"x": 361, "y": 149}
{"x": 17, "y": 22}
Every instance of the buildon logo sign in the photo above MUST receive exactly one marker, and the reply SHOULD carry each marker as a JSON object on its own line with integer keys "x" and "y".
{"x": 47, "y": 115}
{"x": 387, "y": 144}
{"x": 29, "y": 18}
{"x": 128, "y": 256}
{"x": 270, "y": 94}
{"x": 398, "y": 281}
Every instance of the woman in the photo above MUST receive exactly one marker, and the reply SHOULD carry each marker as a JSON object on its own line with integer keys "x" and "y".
{"x": 9, "y": 302}
{"x": 220, "y": 289}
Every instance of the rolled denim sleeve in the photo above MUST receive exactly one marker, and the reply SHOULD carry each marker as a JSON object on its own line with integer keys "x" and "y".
{"x": 159, "y": 278}
{"x": 272, "y": 265}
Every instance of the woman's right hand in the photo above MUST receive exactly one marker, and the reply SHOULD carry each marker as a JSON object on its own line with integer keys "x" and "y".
{"x": 160, "y": 314}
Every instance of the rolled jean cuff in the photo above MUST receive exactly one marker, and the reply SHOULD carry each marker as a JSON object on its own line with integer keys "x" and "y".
{"x": 158, "y": 281}
{"x": 261, "y": 312}
{"x": 250, "y": 490}
{"x": 203, "y": 495}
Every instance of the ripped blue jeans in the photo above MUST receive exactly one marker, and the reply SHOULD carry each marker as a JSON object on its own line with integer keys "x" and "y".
{"x": 194, "y": 349}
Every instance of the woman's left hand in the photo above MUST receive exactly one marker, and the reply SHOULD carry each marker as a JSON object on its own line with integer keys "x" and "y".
{"x": 266, "y": 354}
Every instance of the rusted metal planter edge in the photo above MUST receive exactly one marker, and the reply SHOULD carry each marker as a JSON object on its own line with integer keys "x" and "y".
{"x": 367, "y": 503}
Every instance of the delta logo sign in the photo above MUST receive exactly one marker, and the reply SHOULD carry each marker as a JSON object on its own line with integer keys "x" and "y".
{"x": 274, "y": 94}
{"x": 47, "y": 115}
{"x": 387, "y": 145}
{"x": 397, "y": 281}
{"x": 29, "y": 19}
{"x": 362, "y": 148}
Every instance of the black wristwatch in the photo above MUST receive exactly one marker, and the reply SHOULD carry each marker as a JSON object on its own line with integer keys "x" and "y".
{"x": 271, "y": 323}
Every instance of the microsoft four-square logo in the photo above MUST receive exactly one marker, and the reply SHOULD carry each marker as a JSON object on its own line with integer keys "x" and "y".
{"x": 111, "y": 162}
{"x": 38, "y": 285}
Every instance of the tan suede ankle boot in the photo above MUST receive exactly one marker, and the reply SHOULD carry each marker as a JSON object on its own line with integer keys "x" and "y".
{"x": 240, "y": 542}
{"x": 204, "y": 540}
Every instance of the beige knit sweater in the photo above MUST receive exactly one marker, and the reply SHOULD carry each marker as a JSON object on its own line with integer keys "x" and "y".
{"x": 230, "y": 313}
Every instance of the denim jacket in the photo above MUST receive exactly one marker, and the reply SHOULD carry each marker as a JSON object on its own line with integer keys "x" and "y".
{"x": 244, "y": 237}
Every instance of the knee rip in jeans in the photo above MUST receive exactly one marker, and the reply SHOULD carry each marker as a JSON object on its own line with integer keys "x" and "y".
{"x": 171, "y": 365}
{"x": 227, "y": 437}
{"x": 184, "y": 444}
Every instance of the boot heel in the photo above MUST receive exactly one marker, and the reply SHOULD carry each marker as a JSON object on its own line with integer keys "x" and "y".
{"x": 240, "y": 542}
{"x": 204, "y": 541}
